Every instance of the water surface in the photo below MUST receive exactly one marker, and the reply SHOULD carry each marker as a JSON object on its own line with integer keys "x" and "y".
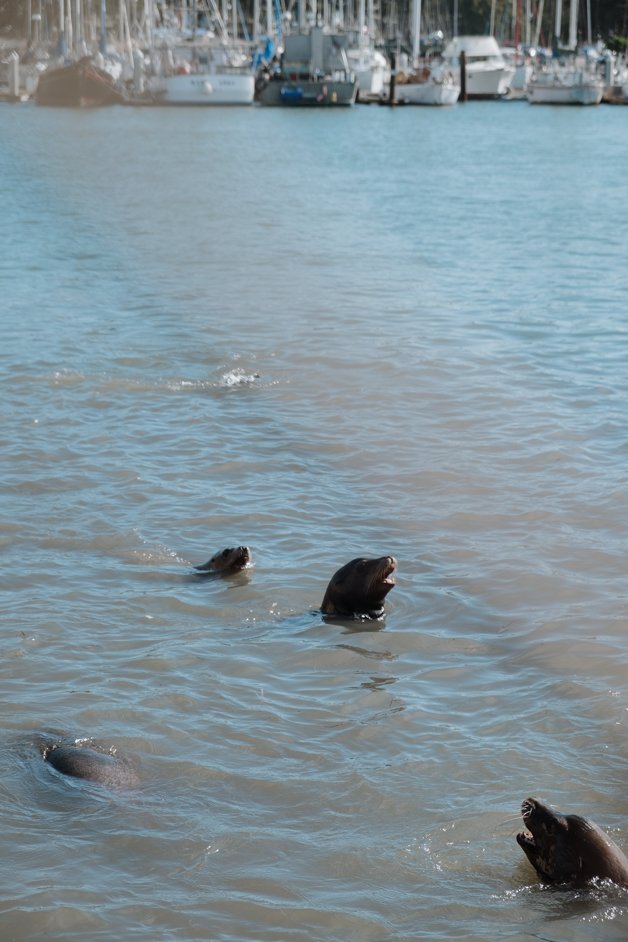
{"x": 324, "y": 335}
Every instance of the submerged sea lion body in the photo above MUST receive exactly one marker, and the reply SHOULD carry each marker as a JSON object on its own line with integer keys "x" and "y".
{"x": 226, "y": 561}
{"x": 91, "y": 762}
{"x": 360, "y": 587}
{"x": 565, "y": 848}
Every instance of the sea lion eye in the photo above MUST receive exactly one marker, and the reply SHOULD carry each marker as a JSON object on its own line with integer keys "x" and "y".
{"x": 225, "y": 553}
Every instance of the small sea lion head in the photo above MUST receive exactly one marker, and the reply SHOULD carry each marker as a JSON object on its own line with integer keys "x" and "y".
{"x": 231, "y": 559}
{"x": 360, "y": 587}
{"x": 565, "y": 848}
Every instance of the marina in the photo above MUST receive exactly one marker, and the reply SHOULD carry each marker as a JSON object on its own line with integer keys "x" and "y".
{"x": 196, "y": 54}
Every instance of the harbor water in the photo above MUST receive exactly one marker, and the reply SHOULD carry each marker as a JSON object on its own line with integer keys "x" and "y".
{"x": 323, "y": 334}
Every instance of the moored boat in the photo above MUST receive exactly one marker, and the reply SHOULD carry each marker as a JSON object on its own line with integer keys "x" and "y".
{"x": 432, "y": 82}
{"x": 371, "y": 69}
{"x": 569, "y": 78}
{"x": 488, "y": 75}
{"x": 209, "y": 72}
{"x": 80, "y": 84}
{"x": 313, "y": 71}
{"x": 427, "y": 79}
{"x": 565, "y": 84}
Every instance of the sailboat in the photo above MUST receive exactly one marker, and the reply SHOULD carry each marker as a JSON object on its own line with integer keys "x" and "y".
{"x": 569, "y": 80}
{"x": 79, "y": 82}
{"x": 371, "y": 67}
{"x": 429, "y": 81}
{"x": 200, "y": 65}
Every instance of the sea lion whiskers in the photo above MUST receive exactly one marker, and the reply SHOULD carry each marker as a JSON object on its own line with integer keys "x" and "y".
{"x": 511, "y": 819}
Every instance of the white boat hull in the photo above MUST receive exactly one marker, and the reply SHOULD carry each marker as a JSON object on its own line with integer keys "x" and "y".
{"x": 371, "y": 70}
{"x": 566, "y": 93}
{"x": 485, "y": 80}
{"x": 519, "y": 85}
{"x": 427, "y": 93}
{"x": 205, "y": 88}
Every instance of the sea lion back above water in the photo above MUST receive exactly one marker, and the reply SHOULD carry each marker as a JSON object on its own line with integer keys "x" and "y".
{"x": 360, "y": 587}
{"x": 565, "y": 848}
{"x": 89, "y": 761}
{"x": 226, "y": 561}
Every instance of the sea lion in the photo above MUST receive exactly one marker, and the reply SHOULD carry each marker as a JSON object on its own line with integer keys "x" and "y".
{"x": 226, "y": 561}
{"x": 565, "y": 848}
{"x": 87, "y": 760}
{"x": 360, "y": 587}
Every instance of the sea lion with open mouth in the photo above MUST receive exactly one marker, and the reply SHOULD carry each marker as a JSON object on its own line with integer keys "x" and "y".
{"x": 87, "y": 760}
{"x": 565, "y": 848}
{"x": 226, "y": 561}
{"x": 360, "y": 587}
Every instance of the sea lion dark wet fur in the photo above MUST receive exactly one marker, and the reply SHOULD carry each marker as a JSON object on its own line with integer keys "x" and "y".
{"x": 91, "y": 762}
{"x": 565, "y": 848}
{"x": 360, "y": 587}
{"x": 226, "y": 561}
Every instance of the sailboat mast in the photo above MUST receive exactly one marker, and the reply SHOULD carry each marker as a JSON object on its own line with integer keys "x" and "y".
{"x": 61, "y": 43}
{"x": 78, "y": 29}
{"x": 539, "y": 20}
{"x": 558, "y": 21}
{"x": 573, "y": 24}
{"x": 361, "y": 21}
{"x": 416, "y": 29}
{"x": 103, "y": 26}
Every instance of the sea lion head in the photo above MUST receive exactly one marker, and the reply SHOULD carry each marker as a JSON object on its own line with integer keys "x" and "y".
{"x": 360, "y": 587}
{"x": 565, "y": 848}
{"x": 232, "y": 559}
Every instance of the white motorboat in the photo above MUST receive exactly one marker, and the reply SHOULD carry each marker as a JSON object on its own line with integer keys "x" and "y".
{"x": 488, "y": 75}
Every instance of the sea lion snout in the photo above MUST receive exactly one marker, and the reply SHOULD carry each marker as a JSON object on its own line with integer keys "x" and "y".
{"x": 527, "y": 806}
